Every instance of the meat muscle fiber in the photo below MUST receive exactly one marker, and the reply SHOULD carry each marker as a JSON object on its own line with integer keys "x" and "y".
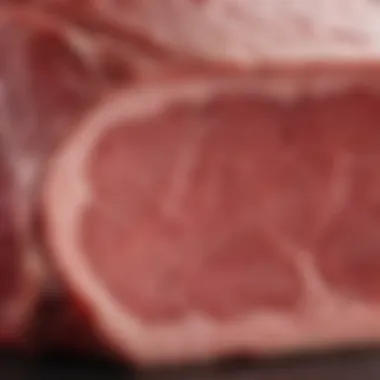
{"x": 230, "y": 215}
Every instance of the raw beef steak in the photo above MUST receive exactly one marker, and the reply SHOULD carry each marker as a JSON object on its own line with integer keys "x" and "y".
{"x": 198, "y": 218}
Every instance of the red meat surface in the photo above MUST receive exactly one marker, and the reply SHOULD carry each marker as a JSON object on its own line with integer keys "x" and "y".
{"x": 184, "y": 180}
{"x": 233, "y": 215}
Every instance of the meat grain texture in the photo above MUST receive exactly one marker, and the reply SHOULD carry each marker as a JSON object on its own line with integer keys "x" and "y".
{"x": 203, "y": 174}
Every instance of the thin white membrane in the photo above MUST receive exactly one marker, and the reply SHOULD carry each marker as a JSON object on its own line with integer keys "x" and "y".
{"x": 325, "y": 318}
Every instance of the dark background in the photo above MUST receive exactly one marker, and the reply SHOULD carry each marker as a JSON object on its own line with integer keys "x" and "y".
{"x": 349, "y": 365}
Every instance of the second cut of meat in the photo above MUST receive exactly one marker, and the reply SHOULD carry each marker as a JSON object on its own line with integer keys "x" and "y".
{"x": 235, "y": 215}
